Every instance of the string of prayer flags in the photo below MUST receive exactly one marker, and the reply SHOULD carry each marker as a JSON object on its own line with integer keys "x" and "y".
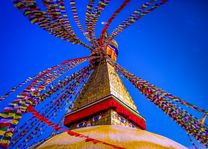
{"x": 56, "y": 11}
{"x": 49, "y": 105}
{"x": 110, "y": 20}
{"x": 75, "y": 15}
{"x": 191, "y": 124}
{"x": 13, "y": 112}
{"x": 88, "y": 14}
{"x": 136, "y": 15}
{"x": 45, "y": 19}
{"x": 52, "y": 110}
{"x": 94, "y": 17}
{"x": 71, "y": 133}
{"x": 15, "y": 88}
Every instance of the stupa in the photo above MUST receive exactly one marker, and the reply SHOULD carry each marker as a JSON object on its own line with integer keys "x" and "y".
{"x": 103, "y": 113}
{"x": 105, "y": 110}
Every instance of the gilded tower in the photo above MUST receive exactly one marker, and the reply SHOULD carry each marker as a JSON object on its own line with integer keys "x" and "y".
{"x": 104, "y": 100}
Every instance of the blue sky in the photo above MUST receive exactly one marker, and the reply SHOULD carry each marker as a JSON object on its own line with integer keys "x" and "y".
{"x": 168, "y": 48}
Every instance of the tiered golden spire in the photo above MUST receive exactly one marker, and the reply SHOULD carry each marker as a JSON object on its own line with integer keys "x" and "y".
{"x": 104, "y": 100}
{"x": 103, "y": 82}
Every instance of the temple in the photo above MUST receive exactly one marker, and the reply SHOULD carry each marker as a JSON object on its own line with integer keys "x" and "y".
{"x": 105, "y": 110}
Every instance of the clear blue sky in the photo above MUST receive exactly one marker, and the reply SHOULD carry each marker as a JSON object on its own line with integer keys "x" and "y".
{"x": 168, "y": 48}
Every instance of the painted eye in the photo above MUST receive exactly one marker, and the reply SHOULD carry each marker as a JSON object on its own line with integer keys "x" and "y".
{"x": 122, "y": 120}
{"x": 96, "y": 118}
{"x": 82, "y": 124}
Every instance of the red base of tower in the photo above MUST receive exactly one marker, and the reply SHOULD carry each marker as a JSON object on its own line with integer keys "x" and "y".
{"x": 104, "y": 104}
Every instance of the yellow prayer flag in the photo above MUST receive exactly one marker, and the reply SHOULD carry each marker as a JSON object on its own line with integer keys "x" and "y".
{"x": 4, "y": 115}
{"x": 2, "y": 132}
{"x": 14, "y": 121}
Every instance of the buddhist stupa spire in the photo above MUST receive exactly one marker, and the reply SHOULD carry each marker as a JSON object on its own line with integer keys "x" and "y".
{"x": 104, "y": 100}
{"x": 104, "y": 82}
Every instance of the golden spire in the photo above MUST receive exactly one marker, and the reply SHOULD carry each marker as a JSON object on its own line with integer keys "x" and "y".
{"x": 104, "y": 100}
{"x": 103, "y": 82}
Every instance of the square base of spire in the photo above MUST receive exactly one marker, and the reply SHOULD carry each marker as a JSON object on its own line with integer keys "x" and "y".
{"x": 105, "y": 111}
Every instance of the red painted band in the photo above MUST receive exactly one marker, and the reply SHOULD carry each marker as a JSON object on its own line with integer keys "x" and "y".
{"x": 104, "y": 105}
